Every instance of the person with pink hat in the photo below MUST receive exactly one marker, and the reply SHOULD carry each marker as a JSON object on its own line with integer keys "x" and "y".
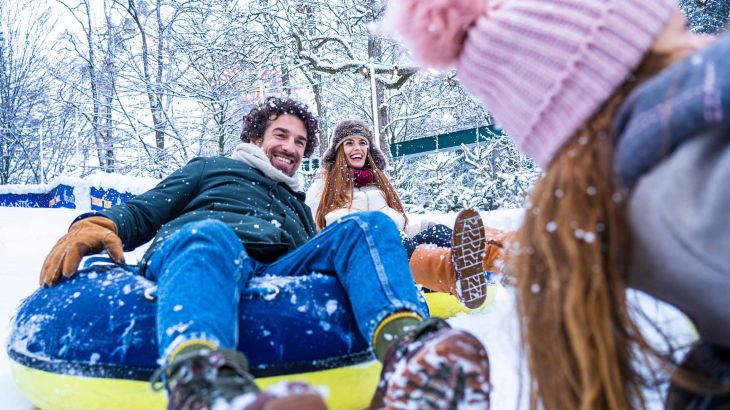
{"x": 628, "y": 113}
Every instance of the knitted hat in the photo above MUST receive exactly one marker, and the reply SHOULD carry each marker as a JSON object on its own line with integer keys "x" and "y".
{"x": 542, "y": 67}
{"x": 351, "y": 128}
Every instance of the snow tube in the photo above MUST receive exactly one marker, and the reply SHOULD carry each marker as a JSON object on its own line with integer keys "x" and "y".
{"x": 90, "y": 342}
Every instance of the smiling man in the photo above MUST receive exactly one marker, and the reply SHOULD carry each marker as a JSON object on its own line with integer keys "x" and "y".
{"x": 286, "y": 144}
{"x": 219, "y": 222}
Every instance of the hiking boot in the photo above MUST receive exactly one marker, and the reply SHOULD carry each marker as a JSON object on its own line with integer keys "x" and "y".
{"x": 434, "y": 367}
{"x": 195, "y": 380}
{"x": 467, "y": 256}
{"x": 285, "y": 396}
{"x": 207, "y": 379}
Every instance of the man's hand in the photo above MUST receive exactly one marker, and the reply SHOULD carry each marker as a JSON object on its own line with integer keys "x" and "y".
{"x": 89, "y": 235}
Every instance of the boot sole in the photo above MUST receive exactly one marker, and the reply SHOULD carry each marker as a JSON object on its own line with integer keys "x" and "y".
{"x": 467, "y": 254}
{"x": 451, "y": 370}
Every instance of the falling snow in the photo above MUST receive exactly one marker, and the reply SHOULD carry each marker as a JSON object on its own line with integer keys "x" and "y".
{"x": 43, "y": 227}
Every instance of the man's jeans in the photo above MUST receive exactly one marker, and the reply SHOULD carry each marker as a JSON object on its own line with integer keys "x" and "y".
{"x": 201, "y": 269}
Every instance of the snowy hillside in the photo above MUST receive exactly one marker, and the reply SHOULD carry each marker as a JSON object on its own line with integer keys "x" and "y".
{"x": 27, "y": 234}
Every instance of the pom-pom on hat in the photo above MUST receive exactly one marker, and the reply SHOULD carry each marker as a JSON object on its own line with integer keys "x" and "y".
{"x": 349, "y": 128}
{"x": 435, "y": 29}
{"x": 542, "y": 67}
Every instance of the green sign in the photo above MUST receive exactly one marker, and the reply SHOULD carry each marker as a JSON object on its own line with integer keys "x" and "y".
{"x": 441, "y": 142}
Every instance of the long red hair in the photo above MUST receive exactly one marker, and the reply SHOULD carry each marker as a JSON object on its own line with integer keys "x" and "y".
{"x": 338, "y": 187}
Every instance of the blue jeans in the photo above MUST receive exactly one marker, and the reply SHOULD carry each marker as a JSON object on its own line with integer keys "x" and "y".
{"x": 201, "y": 269}
{"x": 439, "y": 235}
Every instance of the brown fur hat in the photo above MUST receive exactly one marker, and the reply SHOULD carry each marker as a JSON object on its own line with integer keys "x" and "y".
{"x": 349, "y": 128}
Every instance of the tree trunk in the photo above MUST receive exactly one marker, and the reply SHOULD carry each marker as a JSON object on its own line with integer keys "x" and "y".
{"x": 375, "y": 53}
{"x": 321, "y": 112}
{"x": 109, "y": 83}
{"x": 152, "y": 86}
{"x": 93, "y": 80}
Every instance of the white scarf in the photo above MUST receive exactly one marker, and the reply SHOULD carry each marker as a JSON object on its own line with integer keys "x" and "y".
{"x": 254, "y": 156}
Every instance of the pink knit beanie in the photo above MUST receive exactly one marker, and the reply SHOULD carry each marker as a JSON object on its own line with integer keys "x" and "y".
{"x": 542, "y": 67}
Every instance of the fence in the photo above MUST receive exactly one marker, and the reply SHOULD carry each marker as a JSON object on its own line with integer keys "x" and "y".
{"x": 96, "y": 192}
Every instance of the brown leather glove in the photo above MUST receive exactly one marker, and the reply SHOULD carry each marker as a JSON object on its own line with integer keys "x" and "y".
{"x": 89, "y": 235}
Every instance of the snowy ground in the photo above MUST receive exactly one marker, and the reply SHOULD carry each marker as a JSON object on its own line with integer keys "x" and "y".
{"x": 26, "y": 236}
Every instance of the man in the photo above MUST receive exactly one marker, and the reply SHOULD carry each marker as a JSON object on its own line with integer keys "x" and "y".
{"x": 218, "y": 222}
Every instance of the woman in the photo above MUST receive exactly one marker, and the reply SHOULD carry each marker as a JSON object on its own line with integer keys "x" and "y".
{"x": 635, "y": 192}
{"x": 353, "y": 181}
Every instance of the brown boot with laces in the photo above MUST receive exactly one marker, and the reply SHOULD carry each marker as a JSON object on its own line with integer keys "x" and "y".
{"x": 204, "y": 379}
{"x": 434, "y": 367}
{"x": 460, "y": 270}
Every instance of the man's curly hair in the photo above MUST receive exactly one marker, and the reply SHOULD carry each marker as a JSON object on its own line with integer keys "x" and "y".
{"x": 255, "y": 123}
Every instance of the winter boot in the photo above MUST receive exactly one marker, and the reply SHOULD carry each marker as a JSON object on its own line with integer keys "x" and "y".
{"x": 494, "y": 250}
{"x": 204, "y": 378}
{"x": 457, "y": 270}
{"x": 467, "y": 252}
{"x": 460, "y": 270}
{"x": 391, "y": 328}
{"x": 195, "y": 380}
{"x": 432, "y": 268}
{"x": 434, "y": 367}
{"x": 284, "y": 395}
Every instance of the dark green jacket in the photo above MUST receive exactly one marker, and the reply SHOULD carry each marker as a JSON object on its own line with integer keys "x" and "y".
{"x": 269, "y": 217}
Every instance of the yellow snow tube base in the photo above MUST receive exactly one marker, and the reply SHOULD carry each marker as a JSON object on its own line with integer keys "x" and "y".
{"x": 349, "y": 387}
{"x": 444, "y": 305}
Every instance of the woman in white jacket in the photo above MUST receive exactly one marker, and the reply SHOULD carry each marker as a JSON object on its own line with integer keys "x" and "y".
{"x": 352, "y": 181}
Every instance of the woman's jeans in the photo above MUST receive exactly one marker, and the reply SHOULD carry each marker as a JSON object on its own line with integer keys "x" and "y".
{"x": 439, "y": 235}
{"x": 201, "y": 269}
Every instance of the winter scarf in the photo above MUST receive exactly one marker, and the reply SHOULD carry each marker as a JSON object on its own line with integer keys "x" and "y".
{"x": 362, "y": 177}
{"x": 254, "y": 156}
{"x": 684, "y": 101}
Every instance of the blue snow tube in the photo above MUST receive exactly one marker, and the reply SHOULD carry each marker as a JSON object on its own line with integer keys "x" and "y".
{"x": 90, "y": 341}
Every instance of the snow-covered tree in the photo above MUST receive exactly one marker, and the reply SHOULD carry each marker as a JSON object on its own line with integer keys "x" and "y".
{"x": 404, "y": 181}
{"x": 148, "y": 84}
{"x": 95, "y": 58}
{"x": 29, "y": 114}
{"x": 485, "y": 176}
{"x": 216, "y": 72}
{"x": 439, "y": 186}
{"x": 496, "y": 175}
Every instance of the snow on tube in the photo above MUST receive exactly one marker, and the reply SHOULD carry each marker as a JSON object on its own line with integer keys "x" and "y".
{"x": 89, "y": 342}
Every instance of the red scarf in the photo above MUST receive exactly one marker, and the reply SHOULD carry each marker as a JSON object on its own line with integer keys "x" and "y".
{"x": 362, "y": 177}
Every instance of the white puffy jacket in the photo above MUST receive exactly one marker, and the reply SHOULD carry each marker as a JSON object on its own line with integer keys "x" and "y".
{"x": 367, "y": 198}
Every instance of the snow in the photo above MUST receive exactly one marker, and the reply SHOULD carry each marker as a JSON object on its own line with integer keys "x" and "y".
{"x": 27, "y": 234}
{"x": 103, "y": 180}
{"x": 121, "y": 183}
{"x": 40, "y": 188}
